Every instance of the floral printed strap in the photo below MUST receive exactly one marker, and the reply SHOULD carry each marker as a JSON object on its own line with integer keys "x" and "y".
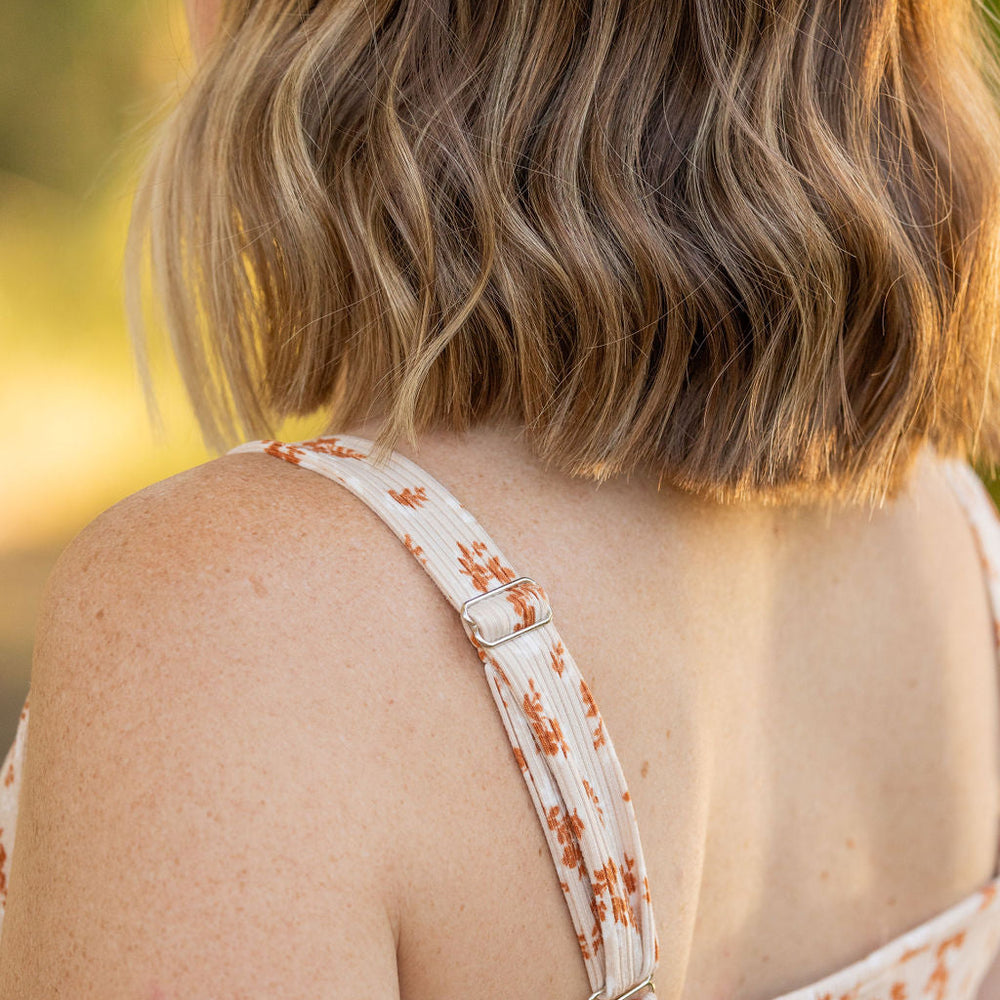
{"x": 10, "y": 788}
{"x": 559, "y": 739}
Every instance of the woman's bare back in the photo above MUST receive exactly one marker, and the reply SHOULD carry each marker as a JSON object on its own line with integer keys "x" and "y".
{"x": 805, "y": 709}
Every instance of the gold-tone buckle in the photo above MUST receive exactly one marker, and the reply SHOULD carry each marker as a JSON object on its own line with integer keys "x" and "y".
{"x": 635, "y": 989}
{"x": 510, "y": 635}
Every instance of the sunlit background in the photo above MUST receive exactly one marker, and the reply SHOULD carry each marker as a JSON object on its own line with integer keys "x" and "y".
{"x": 80, "y": 81}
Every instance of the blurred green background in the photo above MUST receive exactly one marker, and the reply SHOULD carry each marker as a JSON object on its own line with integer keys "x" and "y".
{"x": 80, "y": 81}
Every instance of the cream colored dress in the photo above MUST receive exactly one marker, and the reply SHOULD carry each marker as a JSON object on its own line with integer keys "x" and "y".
{"x": 566, "y": 754}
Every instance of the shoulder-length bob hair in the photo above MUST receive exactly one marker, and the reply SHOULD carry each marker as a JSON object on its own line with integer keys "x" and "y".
{"x": 750, "y": 245}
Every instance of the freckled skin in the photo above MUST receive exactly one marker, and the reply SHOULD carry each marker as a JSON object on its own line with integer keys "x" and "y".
{"x": 488, "y": 836}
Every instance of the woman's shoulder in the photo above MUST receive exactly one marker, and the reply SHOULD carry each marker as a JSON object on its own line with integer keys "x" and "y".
{"x": 226, "y": 553}
{"x": 211, "y": 749}
{"x": 240, "y": 576}
{"x": 241, "y": 527}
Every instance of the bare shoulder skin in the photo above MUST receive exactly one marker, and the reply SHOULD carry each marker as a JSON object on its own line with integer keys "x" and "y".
{"x": 205, "y": 749}
{"x": 262, "y": 760}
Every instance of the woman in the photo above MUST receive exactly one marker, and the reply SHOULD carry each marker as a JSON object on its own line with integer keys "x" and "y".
{"x": 693, "y": 307}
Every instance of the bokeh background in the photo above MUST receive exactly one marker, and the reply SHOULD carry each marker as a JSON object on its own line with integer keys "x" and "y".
{"x": 81, "y": 85}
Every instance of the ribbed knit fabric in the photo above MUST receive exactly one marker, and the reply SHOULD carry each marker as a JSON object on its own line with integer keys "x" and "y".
{"x": 566, "y": 755}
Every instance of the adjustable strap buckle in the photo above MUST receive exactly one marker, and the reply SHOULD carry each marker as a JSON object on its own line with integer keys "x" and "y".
{"x": 632, "y": 992}
{"x": 478, "y": 636}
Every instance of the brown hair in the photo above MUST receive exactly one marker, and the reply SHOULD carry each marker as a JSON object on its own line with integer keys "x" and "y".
{"x": 752, "y": 247}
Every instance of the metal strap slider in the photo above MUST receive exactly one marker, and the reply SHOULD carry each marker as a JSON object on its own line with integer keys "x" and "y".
{"x": 635, "y": 989}
{"x": 478, "y": 636}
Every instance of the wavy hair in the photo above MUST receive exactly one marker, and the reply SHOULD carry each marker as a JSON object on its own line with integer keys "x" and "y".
{"x": 751, "y": 245}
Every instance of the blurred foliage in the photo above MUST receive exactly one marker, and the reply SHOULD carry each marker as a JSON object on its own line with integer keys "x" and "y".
{"x": 82, "y": 82}
{"x": 74, "y": 77}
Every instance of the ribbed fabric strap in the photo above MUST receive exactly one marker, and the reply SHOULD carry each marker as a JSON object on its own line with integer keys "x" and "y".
{"x": 559, "y": 739}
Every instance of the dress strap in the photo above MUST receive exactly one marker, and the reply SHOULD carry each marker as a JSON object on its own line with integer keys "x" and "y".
{"x": 10, "y": 789}
{"x": 559, "y": 739}
{"x": 984, "y": 519}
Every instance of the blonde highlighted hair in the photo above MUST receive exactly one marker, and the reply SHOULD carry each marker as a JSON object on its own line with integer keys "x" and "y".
{"x": 753, "y": 247}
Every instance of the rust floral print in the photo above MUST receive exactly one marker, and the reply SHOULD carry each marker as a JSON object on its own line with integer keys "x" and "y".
{"x": 565, "y": 754}
{"x": 411, "y": 498}
{"x": 481, "y": 567}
